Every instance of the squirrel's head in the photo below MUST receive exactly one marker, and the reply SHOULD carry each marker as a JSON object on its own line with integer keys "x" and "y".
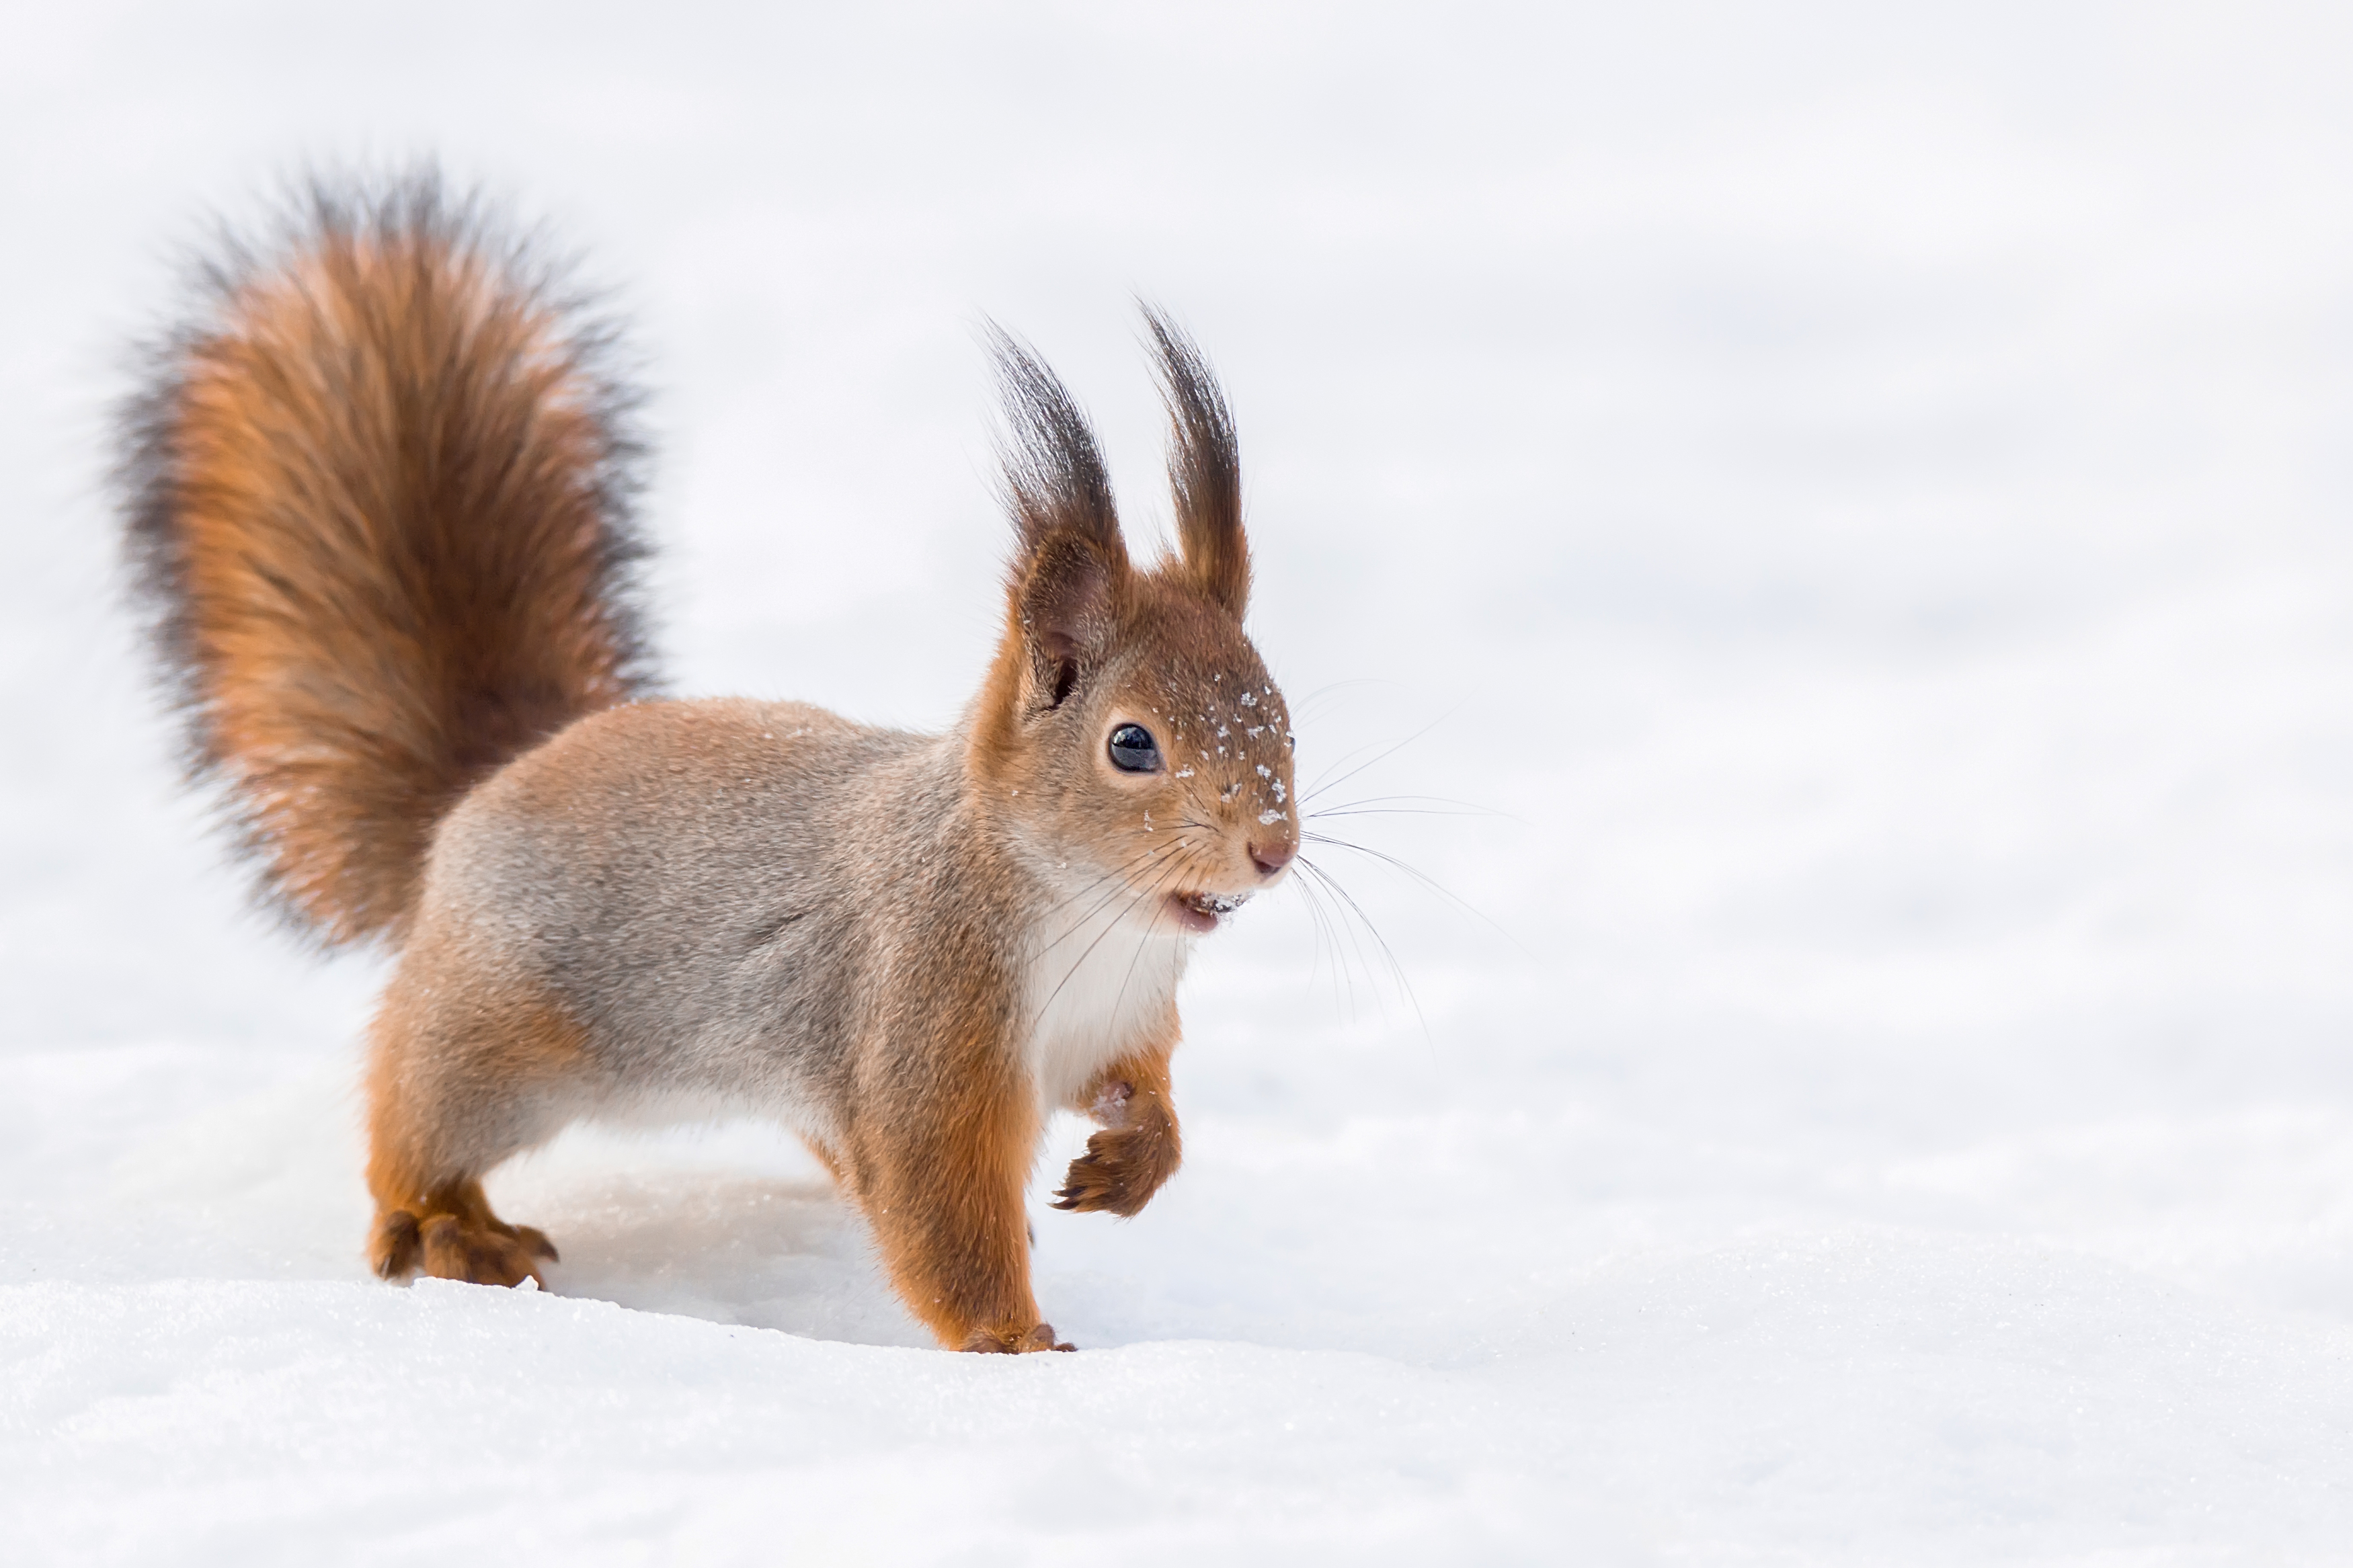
{"x": 1129, "y": 730}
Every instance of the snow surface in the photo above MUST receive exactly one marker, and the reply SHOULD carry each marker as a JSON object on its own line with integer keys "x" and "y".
{"x": 1861, "y": 495}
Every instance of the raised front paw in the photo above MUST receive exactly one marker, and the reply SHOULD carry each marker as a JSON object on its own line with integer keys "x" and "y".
{"x": 1121, "y": 1170}
{"x": 1017, "y": 1341}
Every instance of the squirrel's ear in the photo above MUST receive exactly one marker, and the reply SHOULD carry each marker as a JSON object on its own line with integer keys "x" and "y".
{"x": 1064, "y": 602}
{"x": 1072, "y": 562}
{"x": 1204, "y": 470}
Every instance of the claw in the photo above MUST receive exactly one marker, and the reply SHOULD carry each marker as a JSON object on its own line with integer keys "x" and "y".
{"x": 398, "y": 1248}
{"x": 994, "y": 1341}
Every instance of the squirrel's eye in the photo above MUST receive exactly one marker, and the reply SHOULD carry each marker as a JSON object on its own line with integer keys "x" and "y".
{"x": 1133, "y": 751}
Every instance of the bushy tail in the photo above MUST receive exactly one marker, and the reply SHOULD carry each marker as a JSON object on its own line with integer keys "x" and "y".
{"x": 378, "y": 491}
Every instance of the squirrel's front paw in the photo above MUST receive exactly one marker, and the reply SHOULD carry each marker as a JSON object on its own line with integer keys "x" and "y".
{"x": 1005, "y": 1342}
{"x": 1121, "y": 1170}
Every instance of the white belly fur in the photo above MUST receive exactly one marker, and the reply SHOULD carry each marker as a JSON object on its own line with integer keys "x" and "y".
{"x": 1101, "y": 975}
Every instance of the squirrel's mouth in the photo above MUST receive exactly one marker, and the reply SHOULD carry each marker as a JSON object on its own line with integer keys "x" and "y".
{"x": 1201, "y": 912}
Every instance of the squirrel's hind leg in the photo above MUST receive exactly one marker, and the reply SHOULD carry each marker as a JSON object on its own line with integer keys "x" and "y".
{"x": 458, "y": 1238}
{"x": 462, "y": 1074}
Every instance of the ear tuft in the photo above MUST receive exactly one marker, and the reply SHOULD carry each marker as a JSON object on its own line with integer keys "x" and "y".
{"x": 1068, "y": 576}
{"x": 1204, "y": 470}
{"x": 1055, "y": 477}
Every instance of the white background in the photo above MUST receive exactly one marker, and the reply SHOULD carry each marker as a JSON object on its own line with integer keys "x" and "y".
{"x": 1859, "y": 499}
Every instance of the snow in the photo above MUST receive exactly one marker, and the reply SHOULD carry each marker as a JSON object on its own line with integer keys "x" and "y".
{"x": 1855, "y": 499}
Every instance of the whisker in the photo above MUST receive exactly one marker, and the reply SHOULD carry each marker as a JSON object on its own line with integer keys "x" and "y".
{"x": 1159, "y": 913}
{"x": 1344, "y": 940}
{"x": 1394, "y": 811}
{"x": 1393, "y": 801}
{"x": 1112, "y": 926}
{"x": 1397, "y": 969}
{"x": 1146, "y": 853}
{"x": 1325, "y": 783}
{"x": 1340, "y": 761}
{"x": 1329, "y": 686}
{"x": 1119, "y": 885}
{"x": 1309, "y": 701}
{"x": 1324, "y": 919}
{"x": 1432, "y": 884}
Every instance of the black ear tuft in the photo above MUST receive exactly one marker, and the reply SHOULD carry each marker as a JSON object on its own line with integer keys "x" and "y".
{"x": 1204, "y": 470}
{"x": 1054, "y": 477}
{"x": 1067, "y": 577}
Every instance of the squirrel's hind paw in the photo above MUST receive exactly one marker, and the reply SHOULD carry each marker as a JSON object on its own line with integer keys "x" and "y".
{"x": 446, "y": 1247}
{"x": 1002, "y": 1342}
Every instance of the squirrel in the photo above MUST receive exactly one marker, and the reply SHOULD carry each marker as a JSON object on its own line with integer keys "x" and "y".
{"x": 379, "y": 496}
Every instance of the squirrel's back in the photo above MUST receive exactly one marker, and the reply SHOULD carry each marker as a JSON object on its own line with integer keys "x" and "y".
{"x": 379, "y": 496}
{"x": 732, "y": 881}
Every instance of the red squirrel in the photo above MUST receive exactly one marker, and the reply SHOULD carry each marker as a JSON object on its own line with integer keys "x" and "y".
{"x": 379, "y": 495}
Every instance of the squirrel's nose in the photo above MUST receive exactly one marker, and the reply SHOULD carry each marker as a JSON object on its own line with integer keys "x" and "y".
{"x": 1272, "y": 857}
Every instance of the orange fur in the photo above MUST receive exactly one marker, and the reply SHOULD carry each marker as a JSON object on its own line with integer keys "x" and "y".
{"x": 380, "y": 502}
{"x": 430, "y": 1136}
{"x": 939, "y": 1164}
{"x": 379, "y": 497}
{"x": 1139, "y": 1148}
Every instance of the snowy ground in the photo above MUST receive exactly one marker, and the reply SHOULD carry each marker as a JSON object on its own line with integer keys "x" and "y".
{"x": 1864, "y": 503}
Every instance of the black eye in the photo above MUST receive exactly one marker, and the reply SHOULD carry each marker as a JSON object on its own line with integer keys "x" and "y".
{"x": 1133, "y": 751}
